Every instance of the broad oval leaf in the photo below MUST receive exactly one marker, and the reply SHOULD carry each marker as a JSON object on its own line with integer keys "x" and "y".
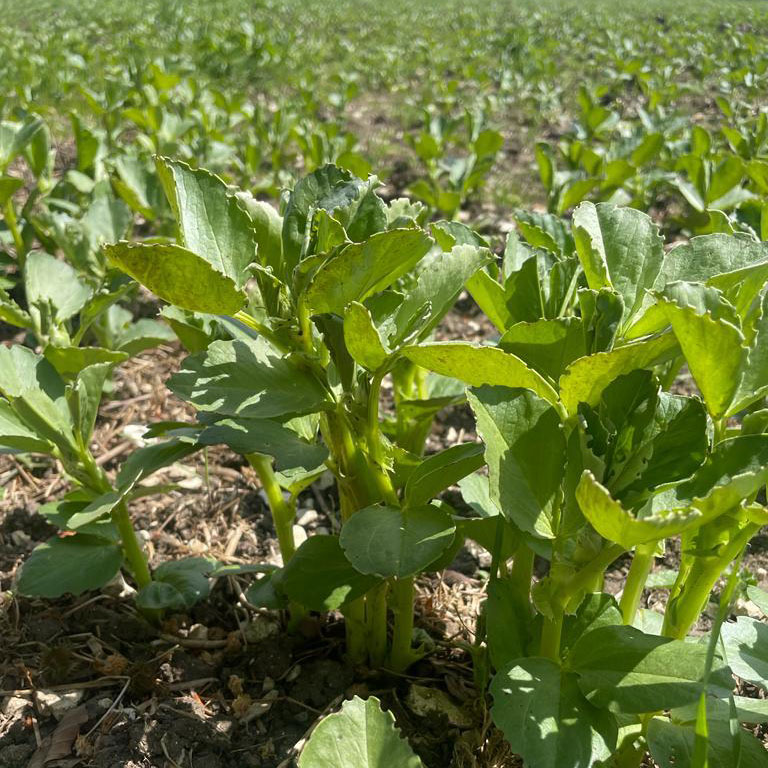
{"x": 247, "y": 378}
{"x": 441, "y": 470}
{"x": 361, "y": 735}
{"x": 746, "y": 648}
{"x": 389, "y": 541}
{"x": 546, "y": 719}
{"x": 270, "y": 438}
{"x": 618, "y": 248}
{"x": 525, "y": 453}
{"x": 15, "y": 435}
{"x": 362, "y": 338}
{"x": 70, "y": 565}
{"x": 362, "y": 269}
{"x": 625, "y": 670}
{"x": 212, "y": 222}
{"x": 321, "y": 578}
{"x": 477, "y": 366}
{"x": 585, "y": 379}
{"x": 714, "y": 350}
{"x": 616, "y": 524}
{"x": 178, "y": 276}
{"x": 548, "y": 346}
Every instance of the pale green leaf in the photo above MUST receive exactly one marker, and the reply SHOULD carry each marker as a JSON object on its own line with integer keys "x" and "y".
{"x": 178, "y": 276}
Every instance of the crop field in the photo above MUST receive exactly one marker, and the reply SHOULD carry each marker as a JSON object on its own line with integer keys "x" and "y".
{"x": 383, "y": 384}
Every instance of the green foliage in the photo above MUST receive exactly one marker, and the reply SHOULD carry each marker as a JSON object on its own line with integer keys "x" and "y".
{"x": 360, "y": 734}
{"x": 296, "y": 315}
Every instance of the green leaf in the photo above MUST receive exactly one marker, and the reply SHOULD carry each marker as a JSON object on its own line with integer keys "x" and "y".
{"x": 108, "y": 218}
{"x": 362, "y": 338}
{"x": 146, "y": 460}
{"x": 439, "y": 278}
{"x": 9, "y": 185}
{"x": 548, "y": 346}
{"x": 478, "y": 366}
{"x": 70, "y": 361}
{"x": 36, "y": 392}
{"x": 759, "y": 597}
{"x": 247, "y": 378}
{"x": 177, "y": 584}
{"x": 14, "y": 137}
{"x": 48, "y": 418}
{"x": 361, "y": 735}
{"x": 70, "y": 565}
{"x": 714, "y": 351}
{"x": 12, "y": 313}
{"x": 596, "y": 610}
{"x": 50, "y": 281}
{"x": 619, "y": 526}
{"x": 619, "y": 248}
{"x": 441, "y": 470}
{"x": 746, "y": 648}
{"x": 701, "y": 298}
{"x": 212, "y": 222}
{"x": 178, "y": 276}
{"x": 625, "y": 670}
{"x": 14, "y": 434}
{"x": 735, "y": 470}
{"x": 321, "y": 578}
{"x": 267, "y": 227}
{"x": 670, "y": 449}
{"x": 507, "y": 621}
{"x": 601, "y": 313}
{"x": 672, "y": 745}
{"x": 387, "y": 541}
{"x": 546, "y": 719}
{"x": 138, "y": 186}
{"x": 328, "y": 188}
{"x": 491, "y": 298}
{"x": 86, "y": 398}
{"x": 525, "y": 453}
{"x": 703, "y": 258}
{"x": 142, "y": 334}
{"x": 753, "y": 711}
{"x": 60, "y": 511}
{"x": 99, "y": 508}
{"x": 754, "y": 380}
{"x": 585, "y": 379}
{"x": 362, "y": 269}
{"x": 267, "y": 437}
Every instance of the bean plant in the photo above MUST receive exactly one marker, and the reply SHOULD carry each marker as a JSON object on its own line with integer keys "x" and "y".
{"x": 299, "y": 320}
{"x": 326, "y": 299}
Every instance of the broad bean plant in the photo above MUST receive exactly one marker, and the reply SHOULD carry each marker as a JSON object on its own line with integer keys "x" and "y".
{"x": 298, "y": 320}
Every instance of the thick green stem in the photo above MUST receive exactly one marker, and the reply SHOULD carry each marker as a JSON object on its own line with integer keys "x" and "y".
{"x": 305, "y": 327}
{"x": 134, "y": 554}
{"x": 636, "y": 578}
{"x": 584, "y": 578}
{"x": 551, "y": 634}
{"x": 283, "y": 513}
{"x": 375, "y": 445}
{"x": 521, "y": 576}
{"x": 376, "y": 620}
{"x": 13, "y": 228}
{"x": 683, "y": 612}
{"x": 97, "y": 481}
{"x": 401, "y": 602}
{"x": 721, "y": 426}
{"x": 354, "y": 626}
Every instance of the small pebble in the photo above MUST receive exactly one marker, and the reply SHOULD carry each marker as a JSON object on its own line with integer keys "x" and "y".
{"x": 52, "y": 703}
{"x": 310, "y": 516}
